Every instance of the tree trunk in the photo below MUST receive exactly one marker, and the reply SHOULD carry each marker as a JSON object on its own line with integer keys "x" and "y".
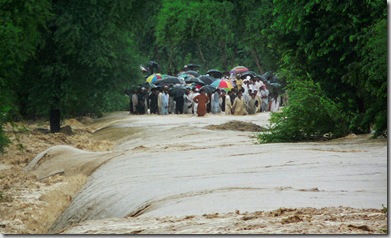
{"x": 55, "y": 120}
{"x": 200, "y": 52}
{"x": 224, "y": 57}
{"x": 254, "y": 55}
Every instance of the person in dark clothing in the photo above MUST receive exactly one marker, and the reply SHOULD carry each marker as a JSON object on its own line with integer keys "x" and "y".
{"x": 141, "y": 102}
{"x": 129, "y": 93}
{"x": 233, "y": 95}
{"x": 209, "y": 105}
{"x": 222, "y": 95}
{"x": 179, "y": 104}
{"x": 153, "y": 101}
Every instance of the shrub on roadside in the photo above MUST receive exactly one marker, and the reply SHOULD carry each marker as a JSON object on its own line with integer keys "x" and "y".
{"x": 309, "y": 116}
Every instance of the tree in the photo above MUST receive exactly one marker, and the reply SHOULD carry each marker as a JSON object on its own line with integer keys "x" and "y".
{"x": 87, "y": 61}
{"x": 20, "y": 26}
{"x": 328, "y": 41}
{"x": 197, "y": 30}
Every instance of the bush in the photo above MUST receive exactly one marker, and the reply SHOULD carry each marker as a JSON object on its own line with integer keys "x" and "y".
{"x": 5, "y": 108}
{"x": 309, "y": 116}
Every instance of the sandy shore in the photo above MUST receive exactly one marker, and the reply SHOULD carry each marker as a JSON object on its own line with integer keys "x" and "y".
{"x": 179, "y": 174}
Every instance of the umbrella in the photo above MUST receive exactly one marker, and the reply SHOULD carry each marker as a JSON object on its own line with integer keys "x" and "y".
{"x": 191, "y": 66}
{"x": 164, "y": 76}
{"x": 221, "y": 83}
{"x": 215, "y": 73}
{"x": 194, "y": 80}
{"x": 177, "y": 91}
{"x": 267, "y": 75}
{"x": 153, "y": 64}
{"x": 275, "y": 87}
{"x": 208, "y": 88}
{"x": 192, "y": 72}
{"x": 185, "y": 76}
{"x": 170, "y": 80}
{"x": 252, "y": 74}
{"x": 263, "y": 79}
{"x": 238, "y": 70}
{"x": 207, "y": 79}
{"x": 153, "y": 78}
{"x": 143, "y": 69}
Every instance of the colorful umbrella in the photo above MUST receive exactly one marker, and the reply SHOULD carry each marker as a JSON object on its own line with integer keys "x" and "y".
{"x": 153, "y": 78}
{"x": 224, "y": 84}
{"x": 238, "y": 70}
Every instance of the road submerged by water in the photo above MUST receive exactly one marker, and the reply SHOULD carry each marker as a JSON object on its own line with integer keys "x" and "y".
{"x": 173, "y": 166}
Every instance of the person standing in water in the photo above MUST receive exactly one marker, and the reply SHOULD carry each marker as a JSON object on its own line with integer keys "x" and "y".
{"x": 239, "y": 105}
{"x": 201, "y": 100}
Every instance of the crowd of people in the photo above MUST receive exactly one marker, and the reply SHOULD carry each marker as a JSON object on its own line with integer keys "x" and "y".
{"x": 249, "y": 96}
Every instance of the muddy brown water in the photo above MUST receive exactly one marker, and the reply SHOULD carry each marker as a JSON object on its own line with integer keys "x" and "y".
{"x": 173, "y": 166}
{"x": 113, "y": 133}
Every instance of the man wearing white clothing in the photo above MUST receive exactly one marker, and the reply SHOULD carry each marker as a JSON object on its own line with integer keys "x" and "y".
{"x": 164, "y": 102}
{"x": 265, "y": 99}
{"x": 195, "y": 105}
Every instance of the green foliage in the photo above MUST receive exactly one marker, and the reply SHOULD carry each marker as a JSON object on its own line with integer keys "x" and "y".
{"x": 374, "y": 66}
{"x": 20, "y": 23}
{"x": 309, "y": 115}
{"x": 88, "y": 59}
{"x": 384, "y": 208}
{"x": 202, "y": 29}
{"x": 342, "y": 46}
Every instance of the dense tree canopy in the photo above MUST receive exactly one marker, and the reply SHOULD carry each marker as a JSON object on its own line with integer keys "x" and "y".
{"x": 79, "y": 56}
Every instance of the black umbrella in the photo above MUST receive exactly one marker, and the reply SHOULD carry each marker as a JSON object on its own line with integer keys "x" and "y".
{"x": 252, "y": 74}
{"x": 207, "y": 79}
{"x": 191, "y": 66}
{"x": 275, "y": 88}
{"x": 215, "y": 73}
{"x": 208, "y": 88}
{"x": 177, "y": 91}
{"x": 261, "y": 77}
{"x": 194, "y": 80}
{"x": 169, "y": 80}
{"x": 270, "y": 76}
{"x": 192, "y": 72}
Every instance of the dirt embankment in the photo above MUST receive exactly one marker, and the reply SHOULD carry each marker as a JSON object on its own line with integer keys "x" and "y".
{"x": 237, "y": 126}
{"x": 30, "y": 203}
{"x": 331, "y": 220}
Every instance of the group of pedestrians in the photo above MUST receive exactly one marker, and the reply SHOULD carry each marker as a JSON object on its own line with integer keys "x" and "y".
{"x": 244, "y": 99}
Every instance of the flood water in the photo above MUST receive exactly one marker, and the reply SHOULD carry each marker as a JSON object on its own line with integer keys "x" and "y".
{"x": 171, "y": 166}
